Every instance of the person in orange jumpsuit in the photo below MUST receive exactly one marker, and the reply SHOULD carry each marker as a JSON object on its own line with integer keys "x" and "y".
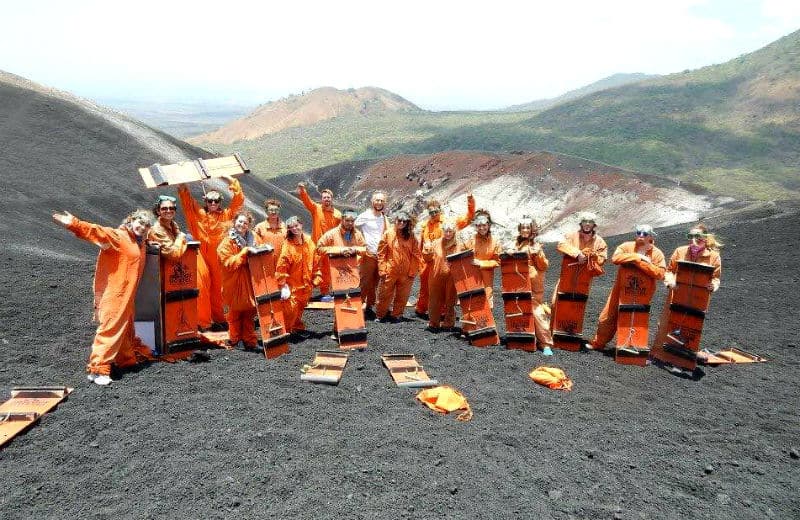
{"x": 208, "y": 224}
{"x": 324, "y": 217}
{"x": 116, "y": 278}
{"x": 399, "y": 261}
{"x": 643, "y": 254}
{"x": 272, "y": 231}
{"x": 237, "y": 289}
{"x": 297, "y": 273}
{"x": 703, "y": 248}
{"x": 585, "y": 246}
{"x": 527, "y": 230}
{"x": 441, "y": 287}
{"x": 487, "y": 251}
{"x": 431, "y": 230}
{"x": 372, "y": 223}
{"x": 165, "y": 232}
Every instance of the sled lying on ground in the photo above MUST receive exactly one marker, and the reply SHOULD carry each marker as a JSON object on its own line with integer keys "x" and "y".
{"x": 26, "y": 407}
{"x": 635, "y": 293}
{"x": 327, "y": 367}
{"x": 477, "y": 321}
{"x": 269, "y": 306}
{"x": 517, "y": 301}
{"x": 193, "y": 171}
{"x": 731, "y": 356}
{"x": 348, "y": 315}
{"x": 406, "y": 371}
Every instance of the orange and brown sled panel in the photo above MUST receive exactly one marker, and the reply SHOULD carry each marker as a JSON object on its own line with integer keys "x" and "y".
{"x": 633, "y": 316}
{"x": 570, "y": 305}
{"x": 731, "y": 356}
{"x": 406, "y": 371}
{"x": 192, "y": 171}
{"x": 688, "y": 304}
{"x": 180, "y": 292}
{"x": 517, "y": 301}
{"x": 326, "y": 368}
{"x": 477, "y": 321}
{"x": 269, "y": 307}
{"x": 26, "y": 407}
{"x": 348, "y": 316}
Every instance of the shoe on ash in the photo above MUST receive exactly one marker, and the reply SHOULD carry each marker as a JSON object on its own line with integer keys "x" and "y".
{"x": 102, "y": 380}
{"x": 547, "y": 351}
{"x": 326, "y": 299}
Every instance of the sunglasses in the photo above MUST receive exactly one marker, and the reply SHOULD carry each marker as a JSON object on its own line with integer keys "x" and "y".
{"x": 213, "y": 201}
{"x": 434, "y": 211}
{"x": 273, "y": 210}
{"x": 167, "y": 208}
{"x": 696, "y": 235}
{"x": 642, "y": 233}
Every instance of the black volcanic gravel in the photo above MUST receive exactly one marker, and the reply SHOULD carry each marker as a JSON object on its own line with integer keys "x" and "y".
{"x": 242, "y": 437}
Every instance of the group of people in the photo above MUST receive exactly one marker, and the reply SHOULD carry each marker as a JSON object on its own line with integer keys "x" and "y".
{"x": 391, "y": 254}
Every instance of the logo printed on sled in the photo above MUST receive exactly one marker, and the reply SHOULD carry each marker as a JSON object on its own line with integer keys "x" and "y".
{"x": 346, "y": 278}
{"x": 180, "y": 275}
{"x": 634, "y": 286}
{"x": 568, "y": 326}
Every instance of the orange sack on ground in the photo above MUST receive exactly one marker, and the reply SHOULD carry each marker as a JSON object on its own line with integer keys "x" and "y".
{"x": 444, "y": 399}
{"x": 551, "y": 377}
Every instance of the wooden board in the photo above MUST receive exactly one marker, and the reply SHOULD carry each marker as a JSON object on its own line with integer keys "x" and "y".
{"x": 731, "y": 356}
{"x": 327, "y": 367}
{"x": 269, "y": 306}
{"x": 477, "y": 321}
{"x": 570, "y": 304}
{"x": 348, "y": 315}
{"x": 688, "y": 304}
{"x": 26, "y": 407}
{"x": 517, "y": 301}
{"x": 406, "y": 371}
{"x": 635, "y": 292}
{"x": 180, "y": 292}
{"x": 192, "y": 171}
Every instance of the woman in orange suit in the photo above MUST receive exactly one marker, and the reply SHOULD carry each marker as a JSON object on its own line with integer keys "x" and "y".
{"x": 487, "y": 251}
{"x": 117, "y": 274}
{"x": 208, "y": 224}
{"x": 297, "y": 273}
{"x": 441, "y": 288}
{"x": 399, "y": 262}
{"x": 237, "y": 289}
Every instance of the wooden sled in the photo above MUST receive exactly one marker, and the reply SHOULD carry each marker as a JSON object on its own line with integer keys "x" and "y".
{"x": 406, "y": 371}
{"x": 570, "y": 305}
{"x": 26, "y": 407}
{"x": 193, "y": 171}
{"x": 731, "y": 356}
{"x": 635, "y": 292}
{"x": 327, "y": 367}
{"x": 348, "y": 315}
{"x": 477, "y": 321}
{"x": 269, "y": 306}
{"x": 686, "y": 313}
{"x": 517, "y": 301}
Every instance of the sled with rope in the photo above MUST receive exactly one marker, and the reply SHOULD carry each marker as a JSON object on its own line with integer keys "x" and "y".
{"x": 406, "y": 371}
{"x": 569, "y": 305}
{"x": 166, "y": 301}
{"x": 633, "y": 316}
{"x": 348, "y": 315}
{"x": 193, "y": 171}
{"x": 327, "y": 367}
{"x": 517, "y": 301}
{"x": 477, "y": 321}
{"x": 269, "y": 306}
{"x": 26, "y": 406}
{"x": 687, "y": 307}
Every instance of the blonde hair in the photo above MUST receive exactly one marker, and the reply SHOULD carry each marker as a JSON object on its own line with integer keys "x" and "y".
{"x": 711, "y": 239}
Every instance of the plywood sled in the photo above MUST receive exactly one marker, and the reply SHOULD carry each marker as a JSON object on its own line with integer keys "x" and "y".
{"x": 406, "y": 371}
{"x": 26, "y": 407}
{"x": 635, "y": 292}
{"x": 327, "y": 367}
{"x": 192, "y": 171}
{"x": 477, "y": 321}
{"x": 517, "y": 301}
{"x": 570, "y": 304}
{"x": 348, "y": 316}
{"x": 731, "y": 356}
{"x": 269, "y": 306}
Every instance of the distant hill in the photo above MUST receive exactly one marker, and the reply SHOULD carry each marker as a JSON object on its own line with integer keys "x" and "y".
{"x": 307, "y": 109}
{"x": 616, "y": 80}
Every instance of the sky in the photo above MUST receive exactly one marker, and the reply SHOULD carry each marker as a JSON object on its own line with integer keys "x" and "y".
{"x": 438, "y": 54}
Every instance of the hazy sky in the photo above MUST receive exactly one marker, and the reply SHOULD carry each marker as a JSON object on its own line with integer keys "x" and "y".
{"x": 439, "y": 54}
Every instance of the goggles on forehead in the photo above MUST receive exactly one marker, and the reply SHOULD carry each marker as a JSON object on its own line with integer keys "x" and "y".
{"x": 166, "y": 198}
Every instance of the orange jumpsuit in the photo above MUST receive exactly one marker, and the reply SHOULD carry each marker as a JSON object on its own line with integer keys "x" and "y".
{"x": 399, "y": 261}
{"x": 431, "y": 230}
{"x": 487, "y": 253}
{"x": 594, "y": 248}
{"x": 537, "y": 265}
{"x": 273, "y": 236}
{"x": 441, "y": 288}
{"x": 237, "y": 293}
{"x": 626, "y": 254}
{"x": 322, "y": 221}
{"x": 116, "y": 278}
{"x": 706, "y": 256}
{"x": 209, "y": 228}
{"x": 298, "y": 267}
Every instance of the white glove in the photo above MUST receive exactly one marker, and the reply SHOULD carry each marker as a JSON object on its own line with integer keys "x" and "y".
{"x": 669, "y": 280}
{"x": 285, "y": 292}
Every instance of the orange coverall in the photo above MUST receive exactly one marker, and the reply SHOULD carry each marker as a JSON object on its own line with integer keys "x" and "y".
{"x": 594, "y": 248}
{"x": 708, "y": 257}
{"x": 237, "y": 293}
{"x": 210, "y": 228}
{"x": 116, "y": 278}
{"x": 399, "y": 261}
{"x": 441, "y": 288}
{"x": 322, "y": 221}
{"x": 626, "y": 254}
{"x": 273, "y": 236}
{"x": 487, "y": 253}
{"x": 431, "y": 230}
{"x": 537, "y": 265}
{"x": 298, "y": 267}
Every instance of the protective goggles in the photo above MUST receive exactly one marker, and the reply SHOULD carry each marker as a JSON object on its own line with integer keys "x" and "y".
{"x": 701, "y": 236}
{"x": 166, "y": 198}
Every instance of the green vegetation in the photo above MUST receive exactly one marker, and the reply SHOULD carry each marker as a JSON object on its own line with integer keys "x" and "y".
{"x": 733, "y": 128}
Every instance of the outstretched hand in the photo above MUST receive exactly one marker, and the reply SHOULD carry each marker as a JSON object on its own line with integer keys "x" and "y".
{"x": 65, "y": 219}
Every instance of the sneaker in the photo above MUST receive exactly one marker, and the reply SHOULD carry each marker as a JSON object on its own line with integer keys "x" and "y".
{"x": 547, "y": 351}
{"x": 431, "y": 328}
{"x": 102, "y": 380}
{"x": 334, "y": 338}
{"x": 251, "y": 347}
{"x": 91, "y": 377}
{"x": 587, "y": 347}
{"x": 326, "y": 299}
{"x": 422, "y": 315}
